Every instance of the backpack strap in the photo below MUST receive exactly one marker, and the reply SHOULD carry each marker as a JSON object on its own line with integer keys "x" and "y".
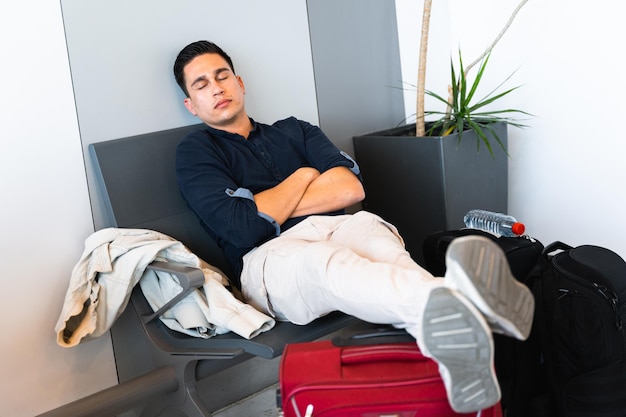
{"x": 555, "y": 246}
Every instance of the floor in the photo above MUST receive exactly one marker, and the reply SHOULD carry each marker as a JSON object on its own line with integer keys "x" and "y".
{"x": 261, "y": 404}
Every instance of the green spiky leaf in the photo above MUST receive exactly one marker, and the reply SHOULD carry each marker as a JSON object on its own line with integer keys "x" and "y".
{"x": 463, "y": 113}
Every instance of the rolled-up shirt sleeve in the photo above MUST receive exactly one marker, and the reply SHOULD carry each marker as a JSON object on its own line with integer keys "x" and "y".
{"x": 245, "y": 193}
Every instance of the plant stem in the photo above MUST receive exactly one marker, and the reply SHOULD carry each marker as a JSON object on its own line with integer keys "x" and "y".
{"x": 489, "y": 48}
{"x": 420, "y": 128}
{"x": 502, "y": 32}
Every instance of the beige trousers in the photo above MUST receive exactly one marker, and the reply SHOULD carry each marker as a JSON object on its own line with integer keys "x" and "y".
{"x": 356, "y": 264}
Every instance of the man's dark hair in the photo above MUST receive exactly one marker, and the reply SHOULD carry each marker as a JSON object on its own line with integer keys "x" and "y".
{"x": 191, "y": 51}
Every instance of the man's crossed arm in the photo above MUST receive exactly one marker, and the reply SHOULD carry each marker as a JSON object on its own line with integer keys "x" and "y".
{"x": 306, "y": 192}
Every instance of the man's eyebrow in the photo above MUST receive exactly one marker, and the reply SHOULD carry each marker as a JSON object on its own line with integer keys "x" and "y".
{"x": 221, "y": 70}
{"x": 197, "y": 80}
{"x": 204, "y": 77}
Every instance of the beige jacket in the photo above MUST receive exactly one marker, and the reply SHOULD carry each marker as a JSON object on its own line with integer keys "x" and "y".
{"x": 115, "y": 260}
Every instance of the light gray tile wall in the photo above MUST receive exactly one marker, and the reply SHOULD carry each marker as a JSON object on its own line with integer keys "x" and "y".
{"x": 356, "y": 60}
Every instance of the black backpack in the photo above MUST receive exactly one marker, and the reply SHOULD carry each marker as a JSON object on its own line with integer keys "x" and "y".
{"x": 580, "y": 314}
{"x": 519, "y": 367}
{"x": 573, "y": 362}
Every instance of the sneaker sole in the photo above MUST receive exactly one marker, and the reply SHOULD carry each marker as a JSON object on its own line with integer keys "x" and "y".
{"x": 478, "y": 269}
{"x": 456, "y": 336}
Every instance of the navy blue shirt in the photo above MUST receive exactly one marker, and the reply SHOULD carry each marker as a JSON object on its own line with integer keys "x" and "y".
{"x": 219, "y": 172}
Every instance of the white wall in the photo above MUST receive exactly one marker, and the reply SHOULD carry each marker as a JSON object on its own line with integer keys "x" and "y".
{"x": 44, "y": 216}
{"x": 566, "y": 170}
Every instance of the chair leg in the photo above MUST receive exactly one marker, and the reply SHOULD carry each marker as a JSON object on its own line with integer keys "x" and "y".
{"x": 185, "y": 401}
{"x": 193, "y": 406}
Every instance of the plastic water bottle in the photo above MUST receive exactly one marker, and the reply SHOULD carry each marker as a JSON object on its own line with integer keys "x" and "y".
{"x": 498, "y": 224}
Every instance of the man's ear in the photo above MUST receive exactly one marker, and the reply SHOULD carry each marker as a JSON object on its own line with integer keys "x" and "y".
{"x": 189, "y": 106}
{"x": 241, "y": 84}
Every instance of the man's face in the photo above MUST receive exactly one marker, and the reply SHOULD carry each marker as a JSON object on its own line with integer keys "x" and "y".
{"x": 216, "y": 95}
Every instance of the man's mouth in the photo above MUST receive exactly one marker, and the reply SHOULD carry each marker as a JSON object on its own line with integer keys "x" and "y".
{"x": 222, "y": 103}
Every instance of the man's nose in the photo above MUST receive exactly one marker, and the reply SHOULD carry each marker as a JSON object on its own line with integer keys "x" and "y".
{"x": 218, "y": 90}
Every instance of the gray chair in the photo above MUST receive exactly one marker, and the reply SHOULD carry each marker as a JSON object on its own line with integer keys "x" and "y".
{"x": 137, "y": 180}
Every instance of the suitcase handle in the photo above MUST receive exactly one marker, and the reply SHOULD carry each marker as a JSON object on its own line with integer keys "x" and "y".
{"x": 374, "y": 336}
{"x": 381, "y": 353}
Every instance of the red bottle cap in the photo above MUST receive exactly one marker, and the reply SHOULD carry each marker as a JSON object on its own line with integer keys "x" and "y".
{"x": 518, "y": 228}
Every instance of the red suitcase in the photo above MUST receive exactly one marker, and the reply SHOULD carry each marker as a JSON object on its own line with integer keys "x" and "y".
{"x": 376, "y": 380}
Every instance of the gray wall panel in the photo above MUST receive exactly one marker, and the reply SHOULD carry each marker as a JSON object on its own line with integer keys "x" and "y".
{"x": 356, "y": 59}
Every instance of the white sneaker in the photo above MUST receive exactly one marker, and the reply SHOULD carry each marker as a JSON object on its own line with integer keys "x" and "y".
{"x": 478, "y": 268}
{"x": 457, "y": 337}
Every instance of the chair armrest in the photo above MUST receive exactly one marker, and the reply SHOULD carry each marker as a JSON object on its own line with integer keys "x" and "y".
{"x": 189, "y": 278}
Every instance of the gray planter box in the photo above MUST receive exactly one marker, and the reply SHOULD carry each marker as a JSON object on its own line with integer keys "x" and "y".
{"x": 427, "y": 184}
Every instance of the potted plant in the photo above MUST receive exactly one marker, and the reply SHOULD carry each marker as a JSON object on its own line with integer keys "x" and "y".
{"x": 424, "y": 177}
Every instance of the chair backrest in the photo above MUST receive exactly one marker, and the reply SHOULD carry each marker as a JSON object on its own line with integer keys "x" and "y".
{"x": 138, "y": 182}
